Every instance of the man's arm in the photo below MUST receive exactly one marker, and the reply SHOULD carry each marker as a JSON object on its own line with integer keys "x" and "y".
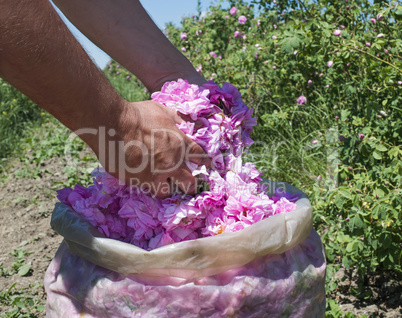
{"x": 40, "y": 57}
{"x": 124, "y": 30}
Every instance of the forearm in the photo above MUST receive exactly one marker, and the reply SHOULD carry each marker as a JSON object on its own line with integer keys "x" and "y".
{"x": 40, "y": 57}
{"x": 123, "y": 29}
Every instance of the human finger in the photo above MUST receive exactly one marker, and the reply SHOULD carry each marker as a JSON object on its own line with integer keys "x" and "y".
{"x": 184, "y": 180}
{"x": 196, "y": 154}
{"x": 162, "y": 187}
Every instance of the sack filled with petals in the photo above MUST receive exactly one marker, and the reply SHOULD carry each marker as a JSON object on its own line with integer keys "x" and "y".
{"x": 242, "y": 247}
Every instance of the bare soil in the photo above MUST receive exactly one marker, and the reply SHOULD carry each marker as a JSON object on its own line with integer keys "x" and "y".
{"x": 26, "y": 205}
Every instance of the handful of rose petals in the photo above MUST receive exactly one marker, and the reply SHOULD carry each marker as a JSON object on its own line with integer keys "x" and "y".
{"x": 234, "y": 199}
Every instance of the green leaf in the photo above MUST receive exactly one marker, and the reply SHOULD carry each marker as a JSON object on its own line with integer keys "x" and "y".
{"x": 290, "y": 44}
{"x": 377, "y": 155}
{"x": 345, "y": 193}
{"x": 341, "y": 238}
{"x": 356, "y": 222}
{"x": 19, "y": 303}
{"x": 381, "y": 147}
{"x": 394, "y": 151}
{"x": 24, "y": 269}
{"x": 378, "y": 192}
{"x": 339, "y": 201}
{"x": 351, "y": 90}
{"x": 351, "y": 246}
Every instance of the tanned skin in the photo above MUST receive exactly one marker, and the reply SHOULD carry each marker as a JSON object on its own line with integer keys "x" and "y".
{"x": 41, "y": 58}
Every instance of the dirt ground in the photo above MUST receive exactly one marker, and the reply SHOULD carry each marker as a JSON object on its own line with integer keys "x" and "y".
{"x": 25, "y": 209}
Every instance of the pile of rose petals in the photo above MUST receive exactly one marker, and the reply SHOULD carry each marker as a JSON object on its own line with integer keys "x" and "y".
{"x": 233, "y": 200}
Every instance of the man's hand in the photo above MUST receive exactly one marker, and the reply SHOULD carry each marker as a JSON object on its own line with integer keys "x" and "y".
{"x": 150, "y": 151}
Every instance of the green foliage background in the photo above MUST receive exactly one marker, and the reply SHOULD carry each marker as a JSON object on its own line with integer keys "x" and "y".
{"x": 17, "y": 114}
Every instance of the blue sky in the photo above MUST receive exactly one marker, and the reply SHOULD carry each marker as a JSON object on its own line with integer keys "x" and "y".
{"x": 161, "y": 11}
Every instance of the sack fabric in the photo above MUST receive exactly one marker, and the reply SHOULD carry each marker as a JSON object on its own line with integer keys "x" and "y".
{"x": 273, "y": 268}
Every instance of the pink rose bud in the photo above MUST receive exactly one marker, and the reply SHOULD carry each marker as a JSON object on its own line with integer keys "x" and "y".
{"x": 336, "y": 117}
{"x": 310, "y": 83}
{"x": 236, "y": 34}
{"x": 385, "y": 51}
{"x": 183, "y": 35}
{"x": 399, "y": 83}
{"x": 368, "y": 44}
{"x": 315, "y": 142}
{"x": 383, "y": 113}
{"x": 373, "y": 20}
{"x": 233, "y": 11}
{"x": 361, "y": 136}
{"x": 183, "y": 49}
{"x": 213, "y": 54}
{"x": 337, "y": 32}
{"x": 330, "y": 63}
{"x": 274, "y": 37}
{"x": 381, "y": 35}
{"x": 342, "y": 27}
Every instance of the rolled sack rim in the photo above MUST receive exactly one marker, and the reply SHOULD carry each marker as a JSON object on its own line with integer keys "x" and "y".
{"x": 194, "y": 258}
